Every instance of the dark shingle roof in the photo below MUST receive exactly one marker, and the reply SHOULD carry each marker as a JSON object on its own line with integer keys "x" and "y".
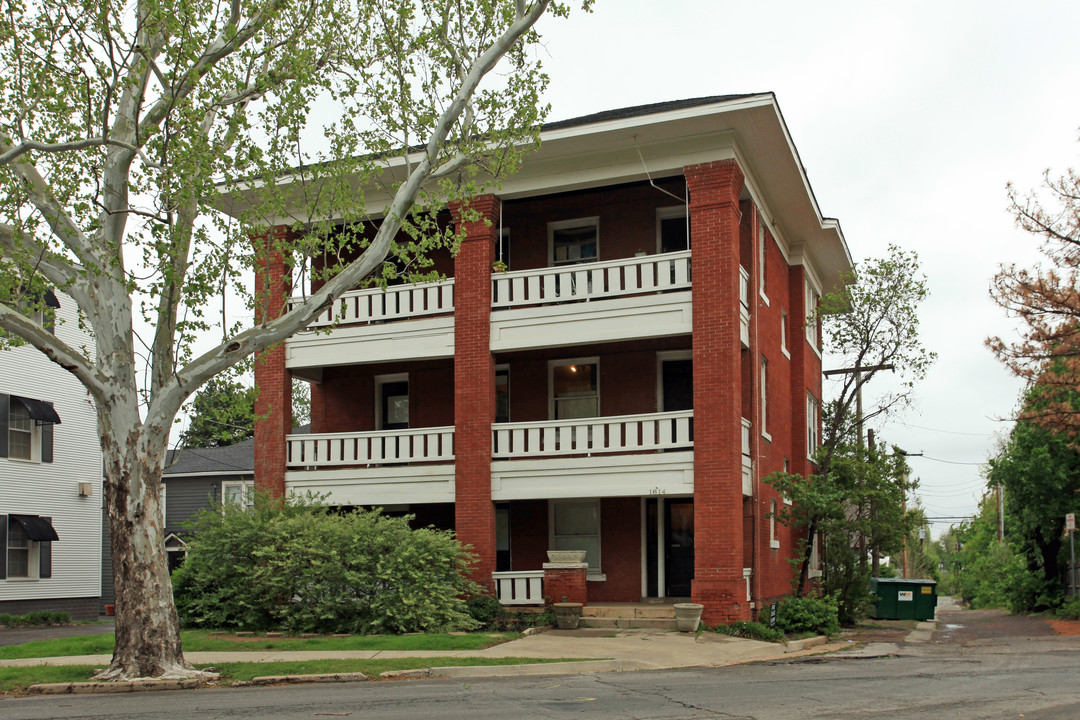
{"x": 231, "y": 459}
{"x": 638, "y": 110}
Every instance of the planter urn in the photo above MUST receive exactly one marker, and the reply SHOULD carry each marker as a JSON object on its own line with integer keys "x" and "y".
{"x": 566, "y": 556}
{"x": 688, "y": 616}
{"x": 567, "y": 615}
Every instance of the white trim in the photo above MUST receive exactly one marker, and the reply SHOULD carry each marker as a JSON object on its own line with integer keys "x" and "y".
{"x": 247, "y": 487}
{"x": 763, "y": 378}
{"x": 813, "y": 424}
{"x": 670, "y": 473}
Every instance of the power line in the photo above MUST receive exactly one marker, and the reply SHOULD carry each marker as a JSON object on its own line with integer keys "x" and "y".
{"x": 940, "y": 430}
{"x": 951, "y": 462}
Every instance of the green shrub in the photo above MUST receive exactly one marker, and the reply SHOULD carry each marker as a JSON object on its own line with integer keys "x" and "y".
{"x": 300, "y": 568}
{"x": 1070, "y": 608}
{"x": 801, "y": 615}
{"x": 486, "y": 611}
{"x": 39, "y": 618}
{"x": 749, "y": 631}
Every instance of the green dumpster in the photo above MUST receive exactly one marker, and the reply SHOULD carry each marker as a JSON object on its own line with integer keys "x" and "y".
{"x": 904, "y": 598}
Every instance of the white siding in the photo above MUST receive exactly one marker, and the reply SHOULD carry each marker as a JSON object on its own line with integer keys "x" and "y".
{"x": 52, "y": 489}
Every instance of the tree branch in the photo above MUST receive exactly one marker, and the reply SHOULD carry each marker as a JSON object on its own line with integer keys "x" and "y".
{"x": 55, "y": 349}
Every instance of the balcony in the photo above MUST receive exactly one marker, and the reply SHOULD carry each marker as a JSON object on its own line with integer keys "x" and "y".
{"x": 615, "y": 456}
{"x": 328, "y": 450}
{"x": 600, "y": 435}
{"x": 399, "y": 302}
{"x": 591, "y": 281}
{"x": 627, "y": 299}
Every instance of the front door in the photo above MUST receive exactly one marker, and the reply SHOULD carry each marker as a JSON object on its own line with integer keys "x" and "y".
{"x": 669, "y": 564}
{"x": 678, "y": 546}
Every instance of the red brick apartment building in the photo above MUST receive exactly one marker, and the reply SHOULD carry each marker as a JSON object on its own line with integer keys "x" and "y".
{"x": 621, "y": 389}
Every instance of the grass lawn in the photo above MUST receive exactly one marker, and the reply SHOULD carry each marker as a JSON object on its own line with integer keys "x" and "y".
{"x": 211, "y": 641}
{"x": 17, "y": 679}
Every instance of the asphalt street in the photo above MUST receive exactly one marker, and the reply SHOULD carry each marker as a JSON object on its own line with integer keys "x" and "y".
{"x": 975, "y": 666}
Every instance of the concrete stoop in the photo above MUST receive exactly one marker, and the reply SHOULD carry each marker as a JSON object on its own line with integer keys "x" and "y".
{"x": 629, "y": 616}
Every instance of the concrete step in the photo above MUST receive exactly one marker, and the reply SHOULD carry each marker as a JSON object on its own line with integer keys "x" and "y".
{"x": 628, "y": 623}
{"x": 627, "y": 610}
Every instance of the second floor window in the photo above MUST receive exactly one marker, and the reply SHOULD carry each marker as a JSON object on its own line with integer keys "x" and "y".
{"x": 574, "y": 241}
{"x": 575, "y": 391}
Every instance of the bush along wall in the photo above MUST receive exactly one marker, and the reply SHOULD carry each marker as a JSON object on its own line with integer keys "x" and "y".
{"x": 297, "y": 567}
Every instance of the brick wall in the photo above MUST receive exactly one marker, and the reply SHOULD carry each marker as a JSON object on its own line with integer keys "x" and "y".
{"x": 718, "y": 560}
{"x": 620, "y": 551}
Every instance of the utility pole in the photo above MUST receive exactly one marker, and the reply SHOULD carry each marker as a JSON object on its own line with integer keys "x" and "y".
{"x": 858, "y": 371}
{"x": 903, "y": 508}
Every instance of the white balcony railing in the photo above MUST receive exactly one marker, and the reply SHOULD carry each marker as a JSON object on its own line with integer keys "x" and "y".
{"x": 615, "y": 434}
{"x": 590, "y": 281}
{"x": 744, "y": 306}
{"x": 520, "y": 588}
{"x": 367, "y": 448}
{"x": 747, "y": 465}
{"x": 398, "y": 302}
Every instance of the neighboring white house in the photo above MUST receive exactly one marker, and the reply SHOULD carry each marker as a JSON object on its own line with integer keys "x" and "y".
{"x": 50, "y": 481}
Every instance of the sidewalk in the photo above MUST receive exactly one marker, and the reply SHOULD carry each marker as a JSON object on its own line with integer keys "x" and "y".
{"x": 601, "y": 650}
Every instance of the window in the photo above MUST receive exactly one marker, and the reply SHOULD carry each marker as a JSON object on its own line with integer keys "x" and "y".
{"x": 762, "y": 262}
{"x": 392, "y": 401}
{"x": 574, "y": 241}
{"x": 774, "y": 543}
{"x": 811, "y": 315}
{"x": 20, "y": 432}
{"x": 502, "y": 394}
{"x": 575, "y": 525}
{"x": 765, "y": 398}
{"x": 240, "y": 492}
{"x": 26, "y": 546}
{"x": 575, "y": 391}
{"x": 26, "y": 428}
{"x": 784, "y": 333}
{"x": 672, "y": 229}
{"x": 812, "y": 419}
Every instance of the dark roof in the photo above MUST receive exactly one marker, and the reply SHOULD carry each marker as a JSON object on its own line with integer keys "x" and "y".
{"x": 650, "y": 109}
{"x": 228, "y": 460}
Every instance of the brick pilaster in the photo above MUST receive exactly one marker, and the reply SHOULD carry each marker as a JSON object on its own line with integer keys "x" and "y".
{"x": 474, "y": 382}
{"x": 273, "y": 401}
{"x": 718, "y": 519}
{"x": 566, "y": 582}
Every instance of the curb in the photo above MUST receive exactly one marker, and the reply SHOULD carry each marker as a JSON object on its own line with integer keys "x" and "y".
{"x": 800, "y": 645}
{"x": 563, "y": 668}
{"x": 90, "y": 688}
{"x": 299, "y": 679}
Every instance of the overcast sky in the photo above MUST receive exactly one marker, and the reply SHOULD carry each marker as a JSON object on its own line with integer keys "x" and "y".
{"x": 910, "y": 118}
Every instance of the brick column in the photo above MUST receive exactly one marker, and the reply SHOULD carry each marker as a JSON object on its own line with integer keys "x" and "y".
{"x": 474, "y": 382}
{"x": 718, "y": 519}
{"x": 566, "y": 582}
{"x": 273, "y": 383}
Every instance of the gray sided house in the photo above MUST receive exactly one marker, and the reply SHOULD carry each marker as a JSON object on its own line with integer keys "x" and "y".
{"x": 194, "y": 478}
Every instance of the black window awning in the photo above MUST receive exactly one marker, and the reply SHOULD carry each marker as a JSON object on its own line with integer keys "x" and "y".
{"x": 37, "y": 528}
{"x": 50, "y": 299}
{"x": 39, "y": 410}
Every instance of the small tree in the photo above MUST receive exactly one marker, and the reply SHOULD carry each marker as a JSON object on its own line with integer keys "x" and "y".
{"x": 222, "y": 413}
{"x": 871, "y": 326}
{"x": 120, "y": 125}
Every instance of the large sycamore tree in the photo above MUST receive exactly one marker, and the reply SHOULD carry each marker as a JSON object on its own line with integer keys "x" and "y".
{"x": 1046, "y": 300}
{"x": 119, "y": 124}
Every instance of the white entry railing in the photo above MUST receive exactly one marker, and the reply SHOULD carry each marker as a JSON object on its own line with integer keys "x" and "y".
{"x": 614, "y": 434}
{"x": 366, "y": 448}
{"x": 589, "y": 281}
{"x": 520, "y": 588}
{"x": 395, "y": 303}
